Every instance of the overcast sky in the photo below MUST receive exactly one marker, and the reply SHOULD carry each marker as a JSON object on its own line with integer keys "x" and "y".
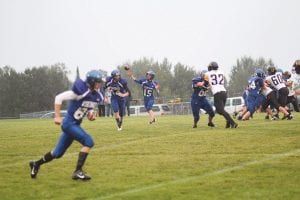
{"x": 103, "y": 34}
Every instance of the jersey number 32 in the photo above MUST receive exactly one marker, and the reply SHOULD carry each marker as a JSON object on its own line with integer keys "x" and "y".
{"x": 217, "y": 79}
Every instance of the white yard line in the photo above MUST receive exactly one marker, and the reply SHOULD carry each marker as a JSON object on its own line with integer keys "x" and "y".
{"x": 195, "y": 178}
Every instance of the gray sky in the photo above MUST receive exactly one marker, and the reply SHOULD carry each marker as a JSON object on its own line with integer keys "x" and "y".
{"x": 103, "y": 34}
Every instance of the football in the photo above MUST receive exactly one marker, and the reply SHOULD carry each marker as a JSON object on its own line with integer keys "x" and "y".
{"x": 126, "y": 67}
{"x": 91, "y": 115}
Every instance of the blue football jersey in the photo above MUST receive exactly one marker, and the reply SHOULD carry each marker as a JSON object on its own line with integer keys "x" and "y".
{"x": 199, "y": 91}
{"x": 255, "y": 83}
{"x": 148, "y": 86}
{"x": 87, "y": 100}
{"x": 114, "y": 87}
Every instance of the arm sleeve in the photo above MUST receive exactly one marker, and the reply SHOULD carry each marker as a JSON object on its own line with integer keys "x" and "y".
{"x": 67, "y": 95}
{"x": 140, "y": 81}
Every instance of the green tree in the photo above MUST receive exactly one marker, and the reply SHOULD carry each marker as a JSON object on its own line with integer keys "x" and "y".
{"x": 182, "y": 85}
{"x": 31, "y": 90}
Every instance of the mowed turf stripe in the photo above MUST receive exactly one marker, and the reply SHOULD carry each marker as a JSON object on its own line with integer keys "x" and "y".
{"x": 108, "y": 147}
{"x": 195, "y": 178}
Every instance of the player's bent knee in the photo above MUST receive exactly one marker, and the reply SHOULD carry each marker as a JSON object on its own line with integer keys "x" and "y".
{"x": 88, "y": 142}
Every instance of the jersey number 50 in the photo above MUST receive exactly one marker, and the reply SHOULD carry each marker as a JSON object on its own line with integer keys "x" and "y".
{"x": 217, "y": 79}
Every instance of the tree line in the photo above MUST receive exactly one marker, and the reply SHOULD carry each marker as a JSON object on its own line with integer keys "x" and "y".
{"x": 32, "y": 90}
{"x": 35, "y": 89}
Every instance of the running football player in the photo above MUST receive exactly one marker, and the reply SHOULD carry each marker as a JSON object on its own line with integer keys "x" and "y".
{"x": 199, "y": 100}
{"x": 119, "y": 90}
{"x": 84, "y": 97}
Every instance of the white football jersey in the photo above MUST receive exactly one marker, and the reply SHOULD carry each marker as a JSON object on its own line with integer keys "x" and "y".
{"x": 276, "y": 80}
{"x": 216, "y": 79}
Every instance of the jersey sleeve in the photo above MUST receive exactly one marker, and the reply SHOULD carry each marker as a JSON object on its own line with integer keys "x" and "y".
{"x": 64, "y": 96}
{"x": 140, "y": 81}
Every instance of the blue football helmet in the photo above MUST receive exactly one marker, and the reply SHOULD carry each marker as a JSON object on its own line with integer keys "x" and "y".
{"x": 202, "y": 73}
{"x": 93, "y": 76}
{"x": 260, "y": 73}
{"x": 278, "y": 69}
{"x": 115, "y": 73}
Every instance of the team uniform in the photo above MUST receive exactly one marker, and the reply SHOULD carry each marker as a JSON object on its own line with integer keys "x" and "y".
{"x": 83, "y": 100}
{"x": 278, "y": 84}
{"x": 296, "y": 83}
{"x": 148, "y": 87}
{"x": 290, "y": 85}
{"x": 199, "y": 101}
{"x": 254, "y": 96}
{"x": 270, "y": 98}
{"x": 216, "y": 81}
{"x": 115, "y": 87}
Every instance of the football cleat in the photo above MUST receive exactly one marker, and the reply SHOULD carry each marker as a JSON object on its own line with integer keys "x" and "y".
{"x": 80, "y": 175}
{"x": 34, "y": 169}
{"x": 274, "y": 117}
{"x": 153, "y": 121}
{"x": 211, "y": 124}
{"x": 267, "y": 117}
{"x": 289, "y": 117}
{"x": 234, "y": 125}
{"x": 235, "y": 114}
{"x": 119, "y": 128}
{"x": 227, "y": 124}
{"x": 195, "y": 126}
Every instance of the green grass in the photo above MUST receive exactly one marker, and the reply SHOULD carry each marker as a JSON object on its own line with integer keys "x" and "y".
{"x": 170, "y": 160}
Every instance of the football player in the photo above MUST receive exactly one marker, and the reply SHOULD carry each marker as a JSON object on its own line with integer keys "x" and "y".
{"x": 271, "y": 96}
{"x": 296, "y": 77}
{"x": 253, "y": 98}
{"x": 119, "y": 90}
{"x": 275, "y": 80}
{"x": 148, "y": 86}
{"x": 199, "y": 100}
{"x": 216, "y": 79}
{"x": 84, "y": 97}
{"x": 291, "y": 97}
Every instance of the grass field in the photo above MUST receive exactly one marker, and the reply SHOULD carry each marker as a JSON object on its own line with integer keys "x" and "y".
{"x": 170, "y": 160}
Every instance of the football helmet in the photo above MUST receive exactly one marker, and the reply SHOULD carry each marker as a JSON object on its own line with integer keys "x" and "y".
{"x": 297, "y": 66}
{"x": 213, "y": 66}
{"x": 260, "y": 73}
{"x": 151, "y": 74}
{"x": 92, "y": 77}
{"x": 202, "y": 73}
{"x": 278, "y": 69}
{"x": 115, "y": 73}
{"x": 286, "y": 75}
{"x": 271, "y": 70}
